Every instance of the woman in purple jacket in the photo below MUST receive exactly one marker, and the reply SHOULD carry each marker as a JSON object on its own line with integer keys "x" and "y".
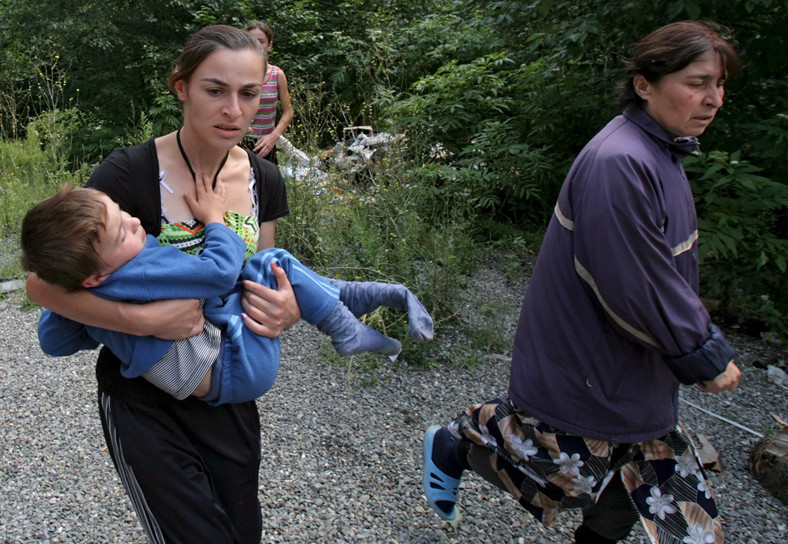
{"x": 611, "y": 324}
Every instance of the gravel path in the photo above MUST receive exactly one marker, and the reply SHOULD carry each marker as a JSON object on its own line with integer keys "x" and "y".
{"x": 343, "y": 466}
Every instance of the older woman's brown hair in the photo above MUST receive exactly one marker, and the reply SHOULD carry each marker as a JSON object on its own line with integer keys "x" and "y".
{"x": 671, "y": 48}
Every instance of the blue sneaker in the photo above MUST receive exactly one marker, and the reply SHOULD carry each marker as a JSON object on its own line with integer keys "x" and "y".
{"x": 439, "y": 488}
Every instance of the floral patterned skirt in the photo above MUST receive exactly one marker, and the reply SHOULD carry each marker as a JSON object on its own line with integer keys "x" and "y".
{"x": 548, "y": 470}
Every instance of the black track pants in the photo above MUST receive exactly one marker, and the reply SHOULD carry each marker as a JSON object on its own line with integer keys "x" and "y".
{"x": 190, "y": 469}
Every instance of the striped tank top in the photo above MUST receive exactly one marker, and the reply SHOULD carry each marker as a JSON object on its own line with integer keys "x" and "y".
{"x": 264, "y": 120}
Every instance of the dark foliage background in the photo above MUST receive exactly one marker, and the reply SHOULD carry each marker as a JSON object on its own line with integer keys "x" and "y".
{"x": 496, "y": 99}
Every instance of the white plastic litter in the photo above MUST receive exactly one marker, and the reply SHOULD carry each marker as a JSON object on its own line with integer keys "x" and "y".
{"x": 777, "y": 375}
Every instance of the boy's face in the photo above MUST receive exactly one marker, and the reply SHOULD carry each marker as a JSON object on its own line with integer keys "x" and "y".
{"x": 122, "y": 240}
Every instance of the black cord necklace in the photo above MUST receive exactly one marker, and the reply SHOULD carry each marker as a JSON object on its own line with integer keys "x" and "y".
{"x": 189, "y": 164}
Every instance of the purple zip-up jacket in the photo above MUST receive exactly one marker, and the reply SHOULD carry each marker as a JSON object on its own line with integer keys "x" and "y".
{"x": 611, "y": 322}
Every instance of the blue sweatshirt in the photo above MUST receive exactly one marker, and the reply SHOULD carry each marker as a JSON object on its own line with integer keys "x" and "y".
{"x": 611, "y": 322}
{"x": 156, "y": 273}
{"x": 248, "y": 364}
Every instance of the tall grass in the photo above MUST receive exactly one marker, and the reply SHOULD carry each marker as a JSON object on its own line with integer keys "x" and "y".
{"x": 386, "y": 221}
{"x": 34, "y": 158}
{"x": 29, "y": 171}
{"x": 28, "y": 174}
{"x": 379, "y": 226}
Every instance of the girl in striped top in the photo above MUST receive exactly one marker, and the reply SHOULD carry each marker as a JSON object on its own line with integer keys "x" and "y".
{"x": 264, "y": 130}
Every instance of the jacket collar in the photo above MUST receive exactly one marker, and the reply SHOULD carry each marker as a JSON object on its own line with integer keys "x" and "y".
{"x": 680, "y": 147}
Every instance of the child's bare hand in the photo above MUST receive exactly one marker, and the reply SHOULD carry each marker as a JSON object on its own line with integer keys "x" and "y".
{"x": 209, "y": 204}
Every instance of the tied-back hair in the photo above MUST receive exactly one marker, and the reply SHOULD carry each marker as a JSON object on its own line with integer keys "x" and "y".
{"x": 61, "y": 234}
{"x": 204, "y": 42}
{"x": 671, "y": 48}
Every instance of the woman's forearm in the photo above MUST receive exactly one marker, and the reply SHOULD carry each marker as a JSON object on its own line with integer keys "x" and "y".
{"x": 84, "y": 307}
{"x": 283, "y": 123}
{"x": 266, "y": 235}
{"x": 170, "y": 319}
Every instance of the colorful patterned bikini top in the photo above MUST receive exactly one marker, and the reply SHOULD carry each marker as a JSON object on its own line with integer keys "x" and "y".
{"x": 189, "y": 235}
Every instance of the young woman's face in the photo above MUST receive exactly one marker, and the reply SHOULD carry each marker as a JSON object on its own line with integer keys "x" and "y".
{"x": 222, "y": 95}
{"x": 261, "y": 37}
{"x": 684, "y": 103}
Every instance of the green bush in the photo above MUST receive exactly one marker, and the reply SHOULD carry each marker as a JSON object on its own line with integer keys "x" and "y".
{"x": 449, "y": 107}
{"x": 743, "y": 243}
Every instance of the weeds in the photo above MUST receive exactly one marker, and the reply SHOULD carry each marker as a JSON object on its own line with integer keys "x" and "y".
{"x": 29, "y": 172}
{"x": 383, "y": 226}
{"x": 35, "y": 162}
{"x": 391, "y": 222}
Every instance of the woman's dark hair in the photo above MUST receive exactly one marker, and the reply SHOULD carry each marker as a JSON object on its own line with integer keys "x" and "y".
{"x": 671, "y": 48}
{"x": 206, "y": 41}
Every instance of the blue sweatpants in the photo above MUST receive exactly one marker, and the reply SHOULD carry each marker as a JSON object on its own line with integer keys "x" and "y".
{"x": 249, "y": 362}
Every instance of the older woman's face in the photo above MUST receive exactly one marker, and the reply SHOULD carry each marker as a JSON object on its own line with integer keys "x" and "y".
{"x": 684, "y": 103}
